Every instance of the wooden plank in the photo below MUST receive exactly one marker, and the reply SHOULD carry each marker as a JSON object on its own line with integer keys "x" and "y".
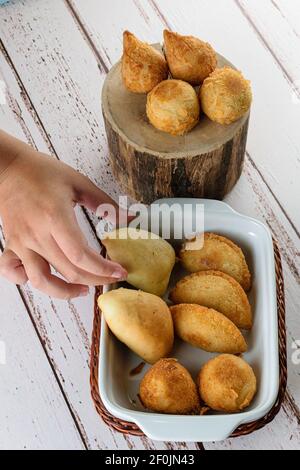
{"x": 63, "y": 62}
{"x": 244, "y": 202}
{"x": 107, "y": 40}
{"x": 65, "y": 329}
{"x": 45, "y": 61}
{"x": 274, "y": 22}
{"x": 282, "y": 434}
{"x": 290, "y": 11}
{"x": 252, "y": 194}
{"x": 184, "y": 17}
{"x": 247, "y": 197}
{"x": 33, "y": 411}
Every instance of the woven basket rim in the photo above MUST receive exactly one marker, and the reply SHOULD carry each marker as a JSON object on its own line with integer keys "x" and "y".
{"x": 130, "y": 428}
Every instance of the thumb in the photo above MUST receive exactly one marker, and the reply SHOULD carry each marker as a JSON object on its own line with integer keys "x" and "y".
{"x": 93, "y": 198}
{"x": 11, "y": 268}
{"x": 89, "y": 195}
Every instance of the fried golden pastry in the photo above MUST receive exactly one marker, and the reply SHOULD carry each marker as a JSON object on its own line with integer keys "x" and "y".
{"x": 218, "y": 253}
{"x": 216, "y": 290}
{"x": 169, "y": 388}
{"x": 207, "y": 329}
{"x": 140, "y": 320}
{"x": 148, "y": 259}
{"x": 225, "y": 95}
{"x": 189, "y": 59}
{"x": 173, "y": 107}
{"x": 227, "y": 383}
{"x": 143, "y": 67}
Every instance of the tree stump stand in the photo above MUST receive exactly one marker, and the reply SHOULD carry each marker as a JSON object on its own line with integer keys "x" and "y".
{"x": 149, "y": 164}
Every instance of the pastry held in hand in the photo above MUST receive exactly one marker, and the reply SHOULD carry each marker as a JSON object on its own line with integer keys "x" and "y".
{"x": 173, "y": 107}
{"x": 140, "y": 320}
{"x": 217, "y": 253}
{"x": 169, "y": 388}
{"x": 225, "y": 95}
{"x": 216, "y": 290}
{"x": 227, "y": 383}
{"x": 148, "y": 259}
{"x": 143, "y": 67}
{"x": 189, "y": 58}
{"x": 207, "y": 329}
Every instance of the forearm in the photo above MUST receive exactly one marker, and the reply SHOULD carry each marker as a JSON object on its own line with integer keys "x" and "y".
{"x": 10, "y": 148}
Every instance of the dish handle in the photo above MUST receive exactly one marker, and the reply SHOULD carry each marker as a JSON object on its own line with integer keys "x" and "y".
{"x": 188, "y": 428}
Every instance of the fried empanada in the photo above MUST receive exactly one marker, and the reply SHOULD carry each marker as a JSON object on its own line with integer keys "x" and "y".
{"x": 143, "y": 67}
{"x": 189, "y": 58}
{"x": 169, "y": 388}
{"x": 216, "y": 290}
{"x": 227, "y": 383}
{"x": 207, "y": 329}
{"x": 225, "y": 95}
{"x": 218, "y": 253}
{"x": 148, "y": 259}
{"x": 173, "y": 107}
{"x": 140, "y": 320}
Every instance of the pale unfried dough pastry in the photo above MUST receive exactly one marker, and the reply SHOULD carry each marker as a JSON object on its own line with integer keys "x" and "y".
{"x": 217, "y": 253}
{"x": 189, "y": 58}
{"x": 207, "y": 329}
{"x": 148, "y": 259}
{"x": 217, "y": 290}
{"x": 173, "y": 107}
{"x": 143, "y": 67}
{"x": 227, "y": 383}
{"x": 225, "y": 95}
{"x": 169, "y": 388}
{"x": 140, "y": 320}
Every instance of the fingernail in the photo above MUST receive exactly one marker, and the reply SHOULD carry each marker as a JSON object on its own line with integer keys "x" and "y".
{"x": 120, "y": 274}
{"x": 84, "y": 292}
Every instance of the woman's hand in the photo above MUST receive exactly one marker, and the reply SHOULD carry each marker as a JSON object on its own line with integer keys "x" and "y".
{"x": 37, "y": 199}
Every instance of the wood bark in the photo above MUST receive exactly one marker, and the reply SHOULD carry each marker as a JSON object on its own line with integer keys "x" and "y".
{"x": 147, "y": 177}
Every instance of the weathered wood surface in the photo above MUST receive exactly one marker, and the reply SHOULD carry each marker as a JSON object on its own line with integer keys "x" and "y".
{"x": 34, "y": 413}
{"x": 54, "y": 104}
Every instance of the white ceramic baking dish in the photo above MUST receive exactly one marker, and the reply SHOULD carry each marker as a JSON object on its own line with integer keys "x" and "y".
{"x": 119, "y": 389}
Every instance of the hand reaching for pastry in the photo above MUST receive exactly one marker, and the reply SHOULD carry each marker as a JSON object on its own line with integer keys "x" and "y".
{"x": 37, "y": 199}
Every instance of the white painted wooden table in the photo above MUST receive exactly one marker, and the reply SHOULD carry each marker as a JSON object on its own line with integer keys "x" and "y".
{"x": 54, "y": 57}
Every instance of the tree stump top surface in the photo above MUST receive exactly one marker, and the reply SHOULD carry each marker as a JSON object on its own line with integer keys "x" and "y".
{"x": 126, "y": 113}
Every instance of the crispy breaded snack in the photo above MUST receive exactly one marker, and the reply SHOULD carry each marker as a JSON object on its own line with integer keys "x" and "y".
{"x": 207, "y": 329}
{"x": 173, "y": 107}
{"x": 227, "y": 383}
{"x": 148, "y": 259}
{"x": 169, "y": 388}
{"x": 216, "y": 290}
{"x": 140, "y": 320}
{"x": 218, "y": 253}
{"x": 225, "y": 95}
{"x": 189, "y": 59}
{"x": 143, "y": 67}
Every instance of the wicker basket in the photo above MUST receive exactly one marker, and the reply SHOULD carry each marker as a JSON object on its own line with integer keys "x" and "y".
{"x": 126, "y": 427}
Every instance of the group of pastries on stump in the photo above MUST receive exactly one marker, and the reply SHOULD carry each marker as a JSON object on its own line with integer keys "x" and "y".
{"x": 174, "y": 105}
{"x": 206, "y": 309}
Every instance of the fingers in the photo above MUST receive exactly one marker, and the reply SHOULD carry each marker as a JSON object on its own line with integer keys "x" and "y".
{"x": 39, "y": 274}
{"x": 89, "y": 195}
{"x": 69, "y": 238}
{"x": 68, "y": 270}
{"x": 93, "y": 198}
{"x": 117, "y": 217}
{"x": 11, "y": 268}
